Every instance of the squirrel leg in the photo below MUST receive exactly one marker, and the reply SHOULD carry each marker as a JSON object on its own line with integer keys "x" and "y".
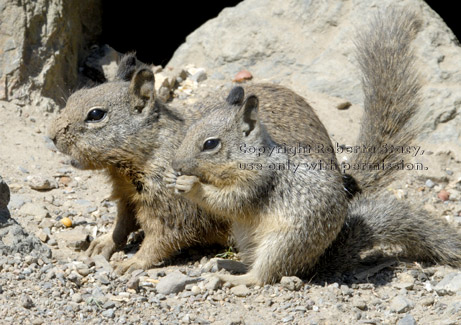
{"x": 125, "y": 223}
{"x": 284, "y": 251}
{"x": 158, "y": 245}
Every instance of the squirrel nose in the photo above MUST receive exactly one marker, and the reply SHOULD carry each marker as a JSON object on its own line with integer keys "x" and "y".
{"x": 176, "y": 165}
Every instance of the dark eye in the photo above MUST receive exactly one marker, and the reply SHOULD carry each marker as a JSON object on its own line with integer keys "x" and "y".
{"x": 95, "y": 115}
{"x": 211, "y": 144}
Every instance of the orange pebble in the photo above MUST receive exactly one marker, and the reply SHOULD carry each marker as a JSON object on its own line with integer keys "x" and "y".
{"x": 242, "y": 76}
{"x": 66, "y": 222}
{"x": 443, "y": 195}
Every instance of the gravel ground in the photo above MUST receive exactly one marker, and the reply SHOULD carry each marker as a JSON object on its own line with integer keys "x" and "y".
{"x": 45, "y": 277}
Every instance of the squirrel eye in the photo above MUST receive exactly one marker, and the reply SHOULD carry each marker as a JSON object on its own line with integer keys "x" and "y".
{"x": 211, "y": 144}
{"x": 95, "y": 115}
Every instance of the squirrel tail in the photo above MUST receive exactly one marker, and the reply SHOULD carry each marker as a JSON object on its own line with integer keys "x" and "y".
{"x": 391, "y": 100}
{"x": 381, "y": 219}
{"x": 391, "y": 85}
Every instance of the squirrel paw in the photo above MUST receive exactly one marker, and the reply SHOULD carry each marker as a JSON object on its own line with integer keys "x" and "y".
{"x": 170, "y": 178}
{"x": 235, "y": 280}
{"x": 103, "y": 245}
{"x": 129, "y": 266}
{"x": 185, "y": 183}
{"x": 180, "y": 183}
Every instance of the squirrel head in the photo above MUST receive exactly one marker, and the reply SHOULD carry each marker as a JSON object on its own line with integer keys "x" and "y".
{"x": 97, "y": 123}
{"x": 215, "y": 145}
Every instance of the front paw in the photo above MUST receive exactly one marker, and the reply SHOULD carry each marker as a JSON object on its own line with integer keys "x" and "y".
{"x": 185, "y": 183}
{"x": 180, "y": 183}
{"x": 247, "y": 279}
{"x": 170, "y": 177}
{"x": 103, "y": 245}
{"x": 129, "y": 266}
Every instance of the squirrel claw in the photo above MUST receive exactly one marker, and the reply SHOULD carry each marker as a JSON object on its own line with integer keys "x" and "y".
{"x": 170, "y": 178}
{"x": 127, "y": 266}
{"x": 180, "y": 183}
{"x": 103, "y": 245}
{"x": 185, "y": 183}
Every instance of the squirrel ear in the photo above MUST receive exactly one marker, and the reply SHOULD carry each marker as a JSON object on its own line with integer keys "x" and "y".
{"x": 236, "y": 96}
{"x": 142, "y": 84}
{"x": 249, "y": 114}
{"x": 126, "y": 67}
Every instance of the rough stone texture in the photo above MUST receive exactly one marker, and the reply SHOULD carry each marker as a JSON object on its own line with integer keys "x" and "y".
{"x": 240, "y": 290}
{"x": 41, "y": 43}
{"x": 4, "y": 194}
{"x": 216, "y": 264}
{"x": 407, "y": 320}
{"x": 308, "y": 46}
{"x": 14, "y": 239}
{"x": 42, "y": 183}
{"x": 174, "y": 282}
{"x": 76, "y": 239}
{"x": 401, "y": 304}
{"x": 451, "y": 283}
{"x": 292, "y": 283}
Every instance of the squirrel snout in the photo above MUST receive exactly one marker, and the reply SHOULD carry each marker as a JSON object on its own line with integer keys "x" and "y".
{"x": 182, "y": 166}
{"x": 177, "y": 166}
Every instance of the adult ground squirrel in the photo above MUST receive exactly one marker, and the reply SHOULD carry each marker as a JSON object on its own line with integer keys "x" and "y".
{"x": 121, "y": 127}
{"x": 290, "y": 214}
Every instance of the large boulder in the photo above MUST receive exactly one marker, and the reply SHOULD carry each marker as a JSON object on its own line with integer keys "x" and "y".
{"x": 41, "y": 43}
{"x": 309, "y": 46}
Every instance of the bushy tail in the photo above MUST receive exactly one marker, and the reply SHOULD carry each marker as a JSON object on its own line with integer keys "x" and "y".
{"x": 381, "y": 219}
{"x": 375, "y": 217}
{"x": 391, "y": 85}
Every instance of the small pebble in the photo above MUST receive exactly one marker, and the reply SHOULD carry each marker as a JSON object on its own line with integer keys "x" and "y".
{"x": 109, "y": 313}
{"x": 242, "y": 76}
{"x": 241, "y": 290}
{"x": 66, "y": 222}
{"x": 343, "y": 105}
{"x": 407, "y": 320}
{"x": 27, "y": 302}
{"x": 429, "y": 183}
{"x": 41, "y": 183}
{"x": 77, "y": 298}
{"x": 443, "y": 195}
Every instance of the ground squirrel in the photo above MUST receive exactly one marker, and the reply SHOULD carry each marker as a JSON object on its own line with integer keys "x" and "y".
{"x": 121, "y": 127}
{"x": 288, "y": 218}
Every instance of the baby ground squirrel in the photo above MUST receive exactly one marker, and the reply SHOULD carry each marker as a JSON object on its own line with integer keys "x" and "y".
{"x": 289, "y": 215}
{"x": 122, "y": 128}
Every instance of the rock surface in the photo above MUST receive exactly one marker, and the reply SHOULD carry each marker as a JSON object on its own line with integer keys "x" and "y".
{"x": 41, "y": 43}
